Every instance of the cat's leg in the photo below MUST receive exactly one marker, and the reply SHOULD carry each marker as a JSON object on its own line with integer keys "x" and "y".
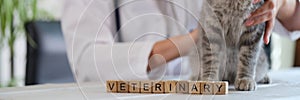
{"x": 245, "y": 79}
{"x": 249, "y": 70}
{"x": 249, "y": 49}
{"x": 194, "y": 58}
{"x": 213, "y": 51}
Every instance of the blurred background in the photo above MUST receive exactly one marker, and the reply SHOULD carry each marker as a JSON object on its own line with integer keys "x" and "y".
{"x": 32, "y": 49}
{"x": 31, "y": 37}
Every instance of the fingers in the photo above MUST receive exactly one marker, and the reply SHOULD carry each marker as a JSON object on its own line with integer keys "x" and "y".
{"x": 260, "y": 19}
{"x": 268, "y": 31}
{"x": 262, "y": 14}
{"x": 267, "y": 7}
{"x": 266, "y": 13}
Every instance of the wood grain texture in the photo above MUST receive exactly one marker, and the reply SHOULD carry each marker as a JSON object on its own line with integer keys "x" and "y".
{"x": 158, "y": 87}
{"x": 194, "y": 87}
{"x": 170, "y": 86}
{"x": 112, "y": 86}
{"x": 180, "y": 87}
{"x": 146, "y": 86}
{"x": 134, "y": 87}
{"x": 123, "y": 87}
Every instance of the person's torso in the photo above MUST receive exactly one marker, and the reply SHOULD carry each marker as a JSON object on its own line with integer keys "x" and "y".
{"x": 154, "y": 20}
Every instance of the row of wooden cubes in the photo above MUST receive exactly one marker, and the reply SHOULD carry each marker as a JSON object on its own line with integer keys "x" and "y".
{"x": 187, "y": 87}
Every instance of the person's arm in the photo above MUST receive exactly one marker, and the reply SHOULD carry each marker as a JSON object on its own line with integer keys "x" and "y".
{"x": 94, "y": 55}
{"x": 287, "y": 11}
{"x": 289, "y": 15}
{"x": 169, "y": 49}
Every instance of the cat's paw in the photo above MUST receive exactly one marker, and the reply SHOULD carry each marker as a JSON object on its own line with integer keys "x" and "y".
{"x": 265, "y": 80}
{"x": 245, "y": 84}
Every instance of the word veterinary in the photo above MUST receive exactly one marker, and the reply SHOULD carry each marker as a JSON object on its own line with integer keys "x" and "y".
{"x": 186, "y": 87}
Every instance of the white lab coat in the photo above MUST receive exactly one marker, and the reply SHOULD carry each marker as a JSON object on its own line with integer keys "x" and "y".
{"x": 97, "y": 53}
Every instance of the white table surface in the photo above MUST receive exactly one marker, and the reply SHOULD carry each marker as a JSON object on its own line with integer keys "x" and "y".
{"x": 285, "y": 86}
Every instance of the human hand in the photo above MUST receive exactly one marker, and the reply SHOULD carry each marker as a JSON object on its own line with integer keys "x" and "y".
{"x": 266, "y": 13}
{"x": 195, "y": 35}
{"x": 169, "y": 49}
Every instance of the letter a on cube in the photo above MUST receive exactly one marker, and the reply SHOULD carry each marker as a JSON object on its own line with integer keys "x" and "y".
{"x": 194, "y": 87}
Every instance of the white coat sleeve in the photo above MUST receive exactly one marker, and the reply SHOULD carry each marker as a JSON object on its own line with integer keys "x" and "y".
{"x": 280, "y": 29}
{"x": 89, "y": 29}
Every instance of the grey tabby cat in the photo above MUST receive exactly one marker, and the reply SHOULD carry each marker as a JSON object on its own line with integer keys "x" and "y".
{"x": 228, "y": 49}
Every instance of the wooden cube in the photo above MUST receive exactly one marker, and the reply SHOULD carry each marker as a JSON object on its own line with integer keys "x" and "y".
{"x": 220, "y": 88}
{"x": 134, "y": 86}
{"x": 170, "y": 86}
{"x": 182, "y": 87}
{"x": 158, "y": 87}
{"x": 206, "y": 87}
{"x": 123, "y": 87}
{"x": 194, "y": 87}
{"x": 112, "y": 86}
{"x": 146, "y": 86}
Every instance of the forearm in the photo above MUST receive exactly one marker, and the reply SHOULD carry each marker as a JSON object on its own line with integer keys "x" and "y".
{"x": 289, "y": 14}
{"x": 172, "y": 48}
